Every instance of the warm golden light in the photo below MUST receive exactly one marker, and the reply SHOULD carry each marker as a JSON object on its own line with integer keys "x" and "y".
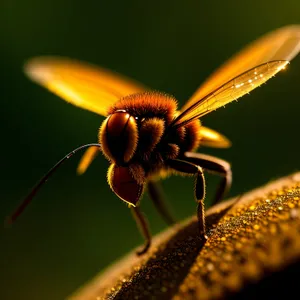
{"x": 145, "y": 136}
{"x": 83, "y": 85}
{"x": 212, "y": 138}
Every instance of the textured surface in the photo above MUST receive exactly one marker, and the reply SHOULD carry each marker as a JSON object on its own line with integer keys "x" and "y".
{"x": 249, "y": 240}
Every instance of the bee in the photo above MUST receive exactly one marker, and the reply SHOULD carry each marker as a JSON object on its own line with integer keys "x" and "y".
{"x": 144, "y": 136}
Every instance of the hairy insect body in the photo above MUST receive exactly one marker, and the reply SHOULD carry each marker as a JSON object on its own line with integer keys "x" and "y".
{"x": 138, "y": 141}
{"x": 144, "y": 136}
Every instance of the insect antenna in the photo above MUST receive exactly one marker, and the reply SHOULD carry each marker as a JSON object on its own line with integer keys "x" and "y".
{"x": 18, "y": 211}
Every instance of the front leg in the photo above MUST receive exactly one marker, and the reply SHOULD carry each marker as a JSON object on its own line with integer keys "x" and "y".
{"x": 144, "y": 228}
{"x": 190, "y": 168}
{"x": 128, "y": 184}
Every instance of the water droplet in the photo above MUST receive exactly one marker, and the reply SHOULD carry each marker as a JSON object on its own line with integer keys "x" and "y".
{"x": 294, "y": 213}
{"x": 210, "y": 267}
{"x": 256, "y": 226}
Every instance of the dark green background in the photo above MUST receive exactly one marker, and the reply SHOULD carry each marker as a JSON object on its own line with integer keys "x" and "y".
{"x": 76, "y": 226}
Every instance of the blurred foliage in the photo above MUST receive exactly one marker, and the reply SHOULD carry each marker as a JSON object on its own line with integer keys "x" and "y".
{"x": 61, "y": 241}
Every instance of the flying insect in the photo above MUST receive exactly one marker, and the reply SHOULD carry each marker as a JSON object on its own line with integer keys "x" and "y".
{"x": 144, "y": 136}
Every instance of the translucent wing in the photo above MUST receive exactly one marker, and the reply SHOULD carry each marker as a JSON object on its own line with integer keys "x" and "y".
{"x": 230, "y": 91}
{"x": 264, "y": 57}
{"x": 86, "y": 159}
{"x": 89, "y": 87}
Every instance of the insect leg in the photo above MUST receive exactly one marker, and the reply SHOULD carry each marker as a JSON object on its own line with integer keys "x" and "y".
{"x": 214, "y": 165}
{"x": 144, "y": 228}
{"x": 190, "y": 168}
{"x": 158, "y": 198}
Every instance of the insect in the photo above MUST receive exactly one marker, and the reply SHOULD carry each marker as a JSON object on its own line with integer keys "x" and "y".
{"x": 144, "y": 136}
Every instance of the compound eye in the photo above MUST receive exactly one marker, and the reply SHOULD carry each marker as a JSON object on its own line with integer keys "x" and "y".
{"x": 118, "y": 137}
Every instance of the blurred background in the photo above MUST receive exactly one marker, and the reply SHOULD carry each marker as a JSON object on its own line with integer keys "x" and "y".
{"x": 76, "y": 226}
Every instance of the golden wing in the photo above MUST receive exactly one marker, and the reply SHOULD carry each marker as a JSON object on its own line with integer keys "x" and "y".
{"x": 244, "y": 72}
{"x": 87, "y": 158}
{"x": 212, "y": 138}
{"x": 84, "y": 85}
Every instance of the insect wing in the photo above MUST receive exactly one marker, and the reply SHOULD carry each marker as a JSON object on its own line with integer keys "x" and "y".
{"x": 230, "y": 91}
{"x": 87, "y": 86}
{"x": 266, "y": 56}
{"x": 87, "y": 158}
{"x": 212, "y": 138}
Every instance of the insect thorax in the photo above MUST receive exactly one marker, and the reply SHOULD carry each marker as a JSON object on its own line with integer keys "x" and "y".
{"x": 154, "y": 141}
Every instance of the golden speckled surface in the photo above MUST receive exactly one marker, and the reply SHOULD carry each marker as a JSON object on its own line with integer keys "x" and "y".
{"x": 248, "y": 239}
